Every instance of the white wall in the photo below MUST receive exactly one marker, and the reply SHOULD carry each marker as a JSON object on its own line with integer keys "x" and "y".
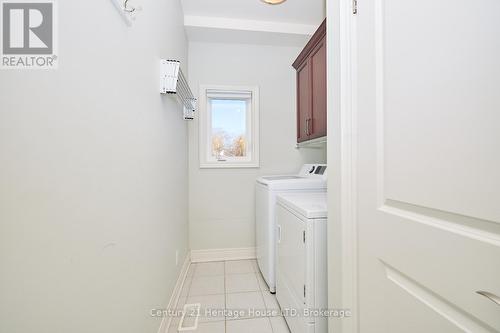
{"x": 93, "y": 176}
{"x": 221, "y": 213}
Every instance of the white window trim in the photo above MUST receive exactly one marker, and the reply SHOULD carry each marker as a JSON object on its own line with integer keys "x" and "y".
{"x": 203, "y": 131}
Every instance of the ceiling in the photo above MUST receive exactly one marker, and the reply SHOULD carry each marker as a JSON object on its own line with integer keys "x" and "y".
{"x": 311, "y": 12}
{"x": 252, "y": 21}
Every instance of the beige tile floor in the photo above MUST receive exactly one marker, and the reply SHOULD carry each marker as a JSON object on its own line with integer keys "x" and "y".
{"x": 231, "y": 286}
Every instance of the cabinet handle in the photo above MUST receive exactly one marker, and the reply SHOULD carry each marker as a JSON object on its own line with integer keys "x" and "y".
{"x": 492, "y": 297}
{"x": 279, "y": 233}
{"x": 309, "y": 126}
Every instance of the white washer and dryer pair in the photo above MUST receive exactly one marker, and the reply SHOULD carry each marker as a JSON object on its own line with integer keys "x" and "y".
{"x": 311, "y": 178}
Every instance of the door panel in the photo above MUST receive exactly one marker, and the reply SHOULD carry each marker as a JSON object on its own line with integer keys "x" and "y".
{"x": 318, "y": 83}
{"x": 427, "y": 182}
{"x": 303, "y": 100}
{"x": 440, "y": 104}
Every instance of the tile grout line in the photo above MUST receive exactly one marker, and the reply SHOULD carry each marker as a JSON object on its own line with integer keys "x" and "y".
{"x": 190, "y": 284}
{"x": 191, "y": 281}
{"x": 265, "y": 304}
{"x": 225, "y": 301}
{"x": 270, "y": 324}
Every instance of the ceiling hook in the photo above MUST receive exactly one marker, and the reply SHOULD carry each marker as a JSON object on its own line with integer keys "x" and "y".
{"x": 126, "y": 8}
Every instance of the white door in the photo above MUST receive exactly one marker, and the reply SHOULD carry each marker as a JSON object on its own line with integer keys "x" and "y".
{"x": 428, "y": 165}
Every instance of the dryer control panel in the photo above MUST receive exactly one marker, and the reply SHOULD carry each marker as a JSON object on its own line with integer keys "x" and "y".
{"x": 313, "y": 170}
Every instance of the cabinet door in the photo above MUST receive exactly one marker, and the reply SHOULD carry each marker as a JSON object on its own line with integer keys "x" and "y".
{"x": 317, "y": 125}
{"x": 303, "y": 101}
{"x": 291, "y": 267}
{"x": 291, "y": 253}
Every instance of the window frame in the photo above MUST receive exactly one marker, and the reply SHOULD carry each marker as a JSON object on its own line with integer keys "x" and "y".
{"x": 205, "y": 123}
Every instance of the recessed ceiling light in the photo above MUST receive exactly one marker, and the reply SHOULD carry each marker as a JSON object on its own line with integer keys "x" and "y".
{"x": 273, "y": 2}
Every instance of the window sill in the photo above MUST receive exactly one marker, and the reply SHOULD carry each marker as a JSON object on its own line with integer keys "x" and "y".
{"x": 229, "y": 165}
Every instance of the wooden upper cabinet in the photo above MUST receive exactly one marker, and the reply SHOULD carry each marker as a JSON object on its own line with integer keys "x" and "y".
{"x": 311, "y": 87}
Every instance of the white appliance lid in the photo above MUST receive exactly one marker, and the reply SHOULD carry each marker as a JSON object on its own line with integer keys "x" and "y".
{"x": 311, "y": 205}
{"x": 271, "y": 178}
{"x": 310, "y": 176}
{"x": 296, "y": 183}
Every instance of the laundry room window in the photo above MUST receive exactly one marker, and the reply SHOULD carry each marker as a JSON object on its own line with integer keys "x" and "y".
{"x": 229, "y": 118}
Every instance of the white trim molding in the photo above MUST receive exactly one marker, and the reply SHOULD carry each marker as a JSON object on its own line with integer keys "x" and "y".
{"x": 208, "y": 29}
{"x": 223, "y": 254}
{"x": 176, "y": 293}
{"x": 341, "y": 146}
{"x": 207, "y": 22}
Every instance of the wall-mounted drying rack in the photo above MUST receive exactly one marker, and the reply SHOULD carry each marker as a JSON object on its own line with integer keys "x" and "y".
{"x": 173, "y": 81}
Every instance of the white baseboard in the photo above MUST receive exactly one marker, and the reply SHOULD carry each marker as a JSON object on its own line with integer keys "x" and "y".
{"x": 166, "y": 320}
{"x": 223, "y": 254}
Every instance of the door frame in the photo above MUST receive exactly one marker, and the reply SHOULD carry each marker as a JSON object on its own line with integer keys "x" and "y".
{"x": 341, "y": 152}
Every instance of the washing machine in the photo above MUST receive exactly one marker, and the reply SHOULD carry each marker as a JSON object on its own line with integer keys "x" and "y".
{"x": 311, "y": 178}
{"x": 301, "y": 286}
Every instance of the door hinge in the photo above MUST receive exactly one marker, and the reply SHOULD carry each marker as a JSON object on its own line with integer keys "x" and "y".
{"x": 354, "y": 7}
{"x": 304, "y": 236}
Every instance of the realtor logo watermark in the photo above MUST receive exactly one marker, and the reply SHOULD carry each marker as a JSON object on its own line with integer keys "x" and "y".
{"x": 29, "y": 39}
